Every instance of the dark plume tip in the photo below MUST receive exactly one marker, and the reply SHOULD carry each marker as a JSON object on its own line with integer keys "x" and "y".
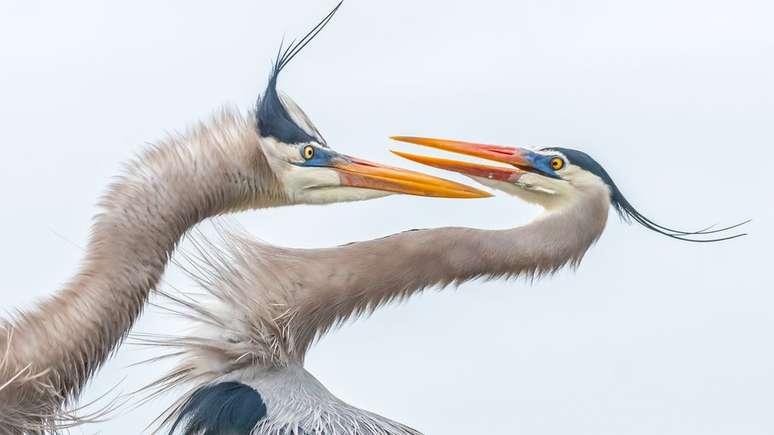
{"x": 629, "y": 213}
{"x": 271, "y": 115}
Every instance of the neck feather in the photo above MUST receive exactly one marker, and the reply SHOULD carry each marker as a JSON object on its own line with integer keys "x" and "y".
{"x": 53, "y": 349}
{"x": 270, "y": 303}
{"x": 356, "y": 279}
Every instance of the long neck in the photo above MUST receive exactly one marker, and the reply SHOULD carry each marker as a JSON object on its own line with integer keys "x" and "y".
{"x": 349, "y": 280}
{"x": 53, "y": 349}
{"x": 271, "y": 302}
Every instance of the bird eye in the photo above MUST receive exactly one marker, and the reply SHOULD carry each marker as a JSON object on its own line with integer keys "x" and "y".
{"x": 308, "y": 152}
{"x": 557, "y": 163}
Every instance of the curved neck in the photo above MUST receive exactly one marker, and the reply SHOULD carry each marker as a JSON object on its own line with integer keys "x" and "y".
{"x": 57, "y": 346}
{"x": 270, "y": 303}
{"x": 352, "y": 279}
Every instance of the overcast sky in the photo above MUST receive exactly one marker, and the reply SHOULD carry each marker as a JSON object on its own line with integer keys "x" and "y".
{"x": 674, "y": 98}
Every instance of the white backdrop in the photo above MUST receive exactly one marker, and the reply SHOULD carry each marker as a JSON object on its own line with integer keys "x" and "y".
{"x": 675, "y": 98}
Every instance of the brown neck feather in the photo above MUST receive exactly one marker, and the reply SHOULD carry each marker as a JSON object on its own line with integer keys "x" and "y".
{"x": 307, "y": 291}
{"x": 270, "y": 302}
{"x": 53, "y": 349}
{"x": 361, "y": 276}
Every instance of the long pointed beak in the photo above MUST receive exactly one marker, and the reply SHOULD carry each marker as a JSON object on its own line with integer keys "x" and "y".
{"x": 364, "y": 174}
{"x": 520, "y": 159}
{"x": 467, "y": 168}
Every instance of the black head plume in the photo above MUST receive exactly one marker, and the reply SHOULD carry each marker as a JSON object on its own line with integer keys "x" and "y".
{"x": 627, "y": 212}
{"x": 271, "y": 115}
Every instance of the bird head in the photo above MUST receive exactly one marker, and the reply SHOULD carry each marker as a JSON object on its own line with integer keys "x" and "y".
{"x": 546, "y": 177}
{"x": 551, "y": 177}
{"x": 309, "y": 171}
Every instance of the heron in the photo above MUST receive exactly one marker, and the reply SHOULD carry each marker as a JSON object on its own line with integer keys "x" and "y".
{"x": 265, "y": 305}
{"x": 270, "y": 156}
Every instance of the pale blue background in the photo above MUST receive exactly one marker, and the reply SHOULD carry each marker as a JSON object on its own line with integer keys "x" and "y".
{"x": 675, "y": 98}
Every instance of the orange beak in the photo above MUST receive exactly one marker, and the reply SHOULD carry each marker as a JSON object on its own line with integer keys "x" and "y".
{"x": 519, "y": 159}
{"x": 361, "y": 173}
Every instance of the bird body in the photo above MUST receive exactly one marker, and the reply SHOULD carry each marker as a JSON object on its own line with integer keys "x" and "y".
{"x": 216, "y": 168}
{"x": 278, "y": 401}
{"x": 266, "y": 305}
{"x": 52, "y": 350}
{"x": 268, "y": 157}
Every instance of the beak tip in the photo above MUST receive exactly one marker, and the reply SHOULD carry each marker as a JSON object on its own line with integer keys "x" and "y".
{"x": 357, "y": 173}
{"x": 407, "y": 139}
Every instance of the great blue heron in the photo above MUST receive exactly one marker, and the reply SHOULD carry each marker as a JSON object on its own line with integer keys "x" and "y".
{"x": 244, "y": 364}
{"x": 270, "y": 157}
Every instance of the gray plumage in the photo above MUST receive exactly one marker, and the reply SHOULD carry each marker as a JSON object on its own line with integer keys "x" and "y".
{"x": 220, "y": 167}
{"x": 50, "y": 352}
{"x": 266, "y": 305}
{"x": 235, "y": 162}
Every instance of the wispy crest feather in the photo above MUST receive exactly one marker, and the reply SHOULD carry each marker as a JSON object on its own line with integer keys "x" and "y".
{"x": 263, "y": 306}
{"x": 272, "y": 115}
{"x": 628, "y": 213}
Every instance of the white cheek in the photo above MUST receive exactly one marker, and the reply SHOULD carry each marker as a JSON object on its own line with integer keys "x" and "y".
{"x": 331, "y": 195}
{"x": 539, "y": 183}
{"x": 520, "y": 191}
{"x": 534, "y": 183}
{"x": 279, "y": 156}
{"x": 299, "y": 179}
{"x": 307, "y": 185}
{"x": 531, "y": 188}
{"x": 502, "y": 186}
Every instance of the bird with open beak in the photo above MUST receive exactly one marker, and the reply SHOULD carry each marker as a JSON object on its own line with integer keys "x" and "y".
{"x": 551, "y": 177}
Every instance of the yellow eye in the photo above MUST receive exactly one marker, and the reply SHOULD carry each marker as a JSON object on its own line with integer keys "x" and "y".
{"x": 557, "y": 163}
{"x": 308, "y": 152}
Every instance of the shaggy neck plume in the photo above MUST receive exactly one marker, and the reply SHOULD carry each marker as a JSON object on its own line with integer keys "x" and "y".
{"x": 53, "y": 349}
{"x": 395, "y": 267}
{"x": 270, "y": 303}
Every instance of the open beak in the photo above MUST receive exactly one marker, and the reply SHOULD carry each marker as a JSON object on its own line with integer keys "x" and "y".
{"x": 364, "y": 174}
{"x": 519, "y": 159}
